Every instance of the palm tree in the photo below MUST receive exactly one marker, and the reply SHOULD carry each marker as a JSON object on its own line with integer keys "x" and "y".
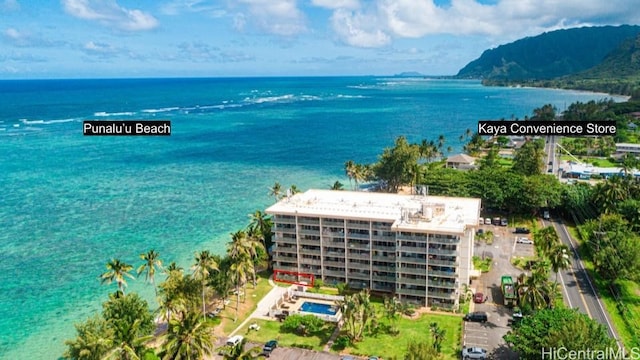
{"x": 261, "y": 225}
{"x": 117, "y": 271}
{"x": 437, "y": 334}
{"x": 128, "y": 345}
{"x": 545, "y": 239}
{"x": 243, "y": 245}
{"x": 203, "y": 266}
{"x": 188, "y": 338}
{"x": 151, "y": 263}
{"x": 337, "y": 186}
{"x": 349, "y": 168}
{"x": 238, "y": 272}
{"x": 533, "y": 292}
{"x": 559, "y": 258}
{"x": 276, "y": 191}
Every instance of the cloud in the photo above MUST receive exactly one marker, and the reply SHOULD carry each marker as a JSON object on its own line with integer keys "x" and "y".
{"x": 379, "y": 22}
{"x": 109, "y": 13}
{"x": 9, "y": 5}
{"x": 19, "y": 38}
{"x": 336, "y": 4}
{"x": 177, "y": 7}
{"x": 358, "y": 29}
{"x": 100, "y": 49}
{"x": 277, "y": 17}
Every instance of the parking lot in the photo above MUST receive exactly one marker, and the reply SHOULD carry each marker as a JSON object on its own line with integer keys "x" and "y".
{"x": 489, "y": 335}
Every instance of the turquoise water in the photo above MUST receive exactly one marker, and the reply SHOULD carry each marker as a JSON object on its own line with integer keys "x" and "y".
{"x": 70, "y": 203}
{"x": 317, "y": 308}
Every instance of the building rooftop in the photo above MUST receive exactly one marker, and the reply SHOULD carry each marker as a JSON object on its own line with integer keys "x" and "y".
{"x": 416, "y": 213}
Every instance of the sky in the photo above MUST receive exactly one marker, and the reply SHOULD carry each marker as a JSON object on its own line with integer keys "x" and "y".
{"x": 221, "y": 38}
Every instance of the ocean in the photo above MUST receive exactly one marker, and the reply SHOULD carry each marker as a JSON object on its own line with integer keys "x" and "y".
{"x": 70, "y": 202}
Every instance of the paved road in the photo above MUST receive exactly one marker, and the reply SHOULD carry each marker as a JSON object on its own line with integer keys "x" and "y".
{"x": 579, "y": 292}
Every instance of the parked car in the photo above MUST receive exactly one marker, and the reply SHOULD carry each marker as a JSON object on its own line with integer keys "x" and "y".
{"x": 480, "y": 231}
{"x": 522, "y": 230}
{"x": 373, "y": 358}
{"x": 487, "y": 221}
{"x": 481, "y": 221}
{"x": 478, "y": 298}
{"x": 524, "y": 240}
{"x": 496, "y": 221}
{"x": 545, "y": 215}
{"x": 477, "y": 316}
{"x": 504, "y": 222}
{"x": 268, "y": 347}
{"x": 474, "y": 353}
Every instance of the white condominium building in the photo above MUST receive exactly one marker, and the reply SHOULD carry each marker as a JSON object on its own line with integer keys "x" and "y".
{"x": 416, "y": 247}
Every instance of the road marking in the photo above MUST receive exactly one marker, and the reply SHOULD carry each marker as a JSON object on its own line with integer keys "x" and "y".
{"x": 565, "y": 291}
{"x": 573, "y": 273}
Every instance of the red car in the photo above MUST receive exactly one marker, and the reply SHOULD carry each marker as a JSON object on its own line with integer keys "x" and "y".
{"x": 478, "y": 298}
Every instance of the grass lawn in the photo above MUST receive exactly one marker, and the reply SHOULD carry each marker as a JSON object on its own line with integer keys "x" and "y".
{"x": 253, "y": 296}
{"x": 270, "y": 330}
{"x": 387, "y": 346}
{"x": 627, "y": 330}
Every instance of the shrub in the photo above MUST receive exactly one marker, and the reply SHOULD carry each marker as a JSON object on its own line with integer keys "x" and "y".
{"x": 341, "y": 342}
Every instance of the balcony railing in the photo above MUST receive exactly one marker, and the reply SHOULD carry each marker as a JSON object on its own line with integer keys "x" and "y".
{"x": 310, "y": 261}
{"x": 447, "y": 274}
{"x": 442, "y": 294}
{"x": 285, "y": 268}
{"x": 358, "y": 236}
{"x": 405, "y": 280}
{"x": 443, "y": 262}
{"x": 358, "y": 246}
{"x": 442, "y": 252}
{"x": 439, "y": 240}
{"x": 443, "y": 284}
{"x": 415, "y": 271}
{"x": 358, "y": 256}
{"x": 422, "y": 293}
{"x": 309, "y": 251}
{"x": 333, "y": 273}
{"x": 358, "y": 275}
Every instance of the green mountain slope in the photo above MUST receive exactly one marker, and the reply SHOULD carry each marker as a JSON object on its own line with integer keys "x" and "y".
{"x": 549, "y": 55}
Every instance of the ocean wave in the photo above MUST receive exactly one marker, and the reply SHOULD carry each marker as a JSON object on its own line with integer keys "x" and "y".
{"x": 167, "y": 109}
{"x": 341, "y": 96}
{"x": 104, "y": 114}
{"x": 267, "y": 99}
{"x": 45, "y": 122}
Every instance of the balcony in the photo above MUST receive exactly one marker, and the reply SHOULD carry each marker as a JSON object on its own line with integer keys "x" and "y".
{"x": 406, "y": 280}
{"x": 358, "y": 246}
{"x": 339, "y": 254}
{"x": 334, "y": 273}
{"x": 439, "y": 240}
{"x": 334, "y": 263}
{"x": 382, "y": 268}
{"x": 443, "y": 284}
{"x": 391, "y": 249}
{"x": 315, "y": 232}
{"x": 304, "y": 261}
{"x": 285, "y": 268}
{"x": 412, "y": 260}
{"x": 442, "y": 295}
{"x": 443, "y": 262}
{"x": 332, "y": 223}
{"x": 391, "y": 258}
{"x": 422, "y": 239}
{"x": 358, "y": 236}
{"x": 304, "y": 241}
{"x": 385, "y": 288}
{"x": 442, "y": 252}
{"x": 358, "y": 275}
{"x": 355, "y": 255}
{"x": 281, "y": 257}
{"x": 447, "y": 274}
{"x": 422, "y": 293}
{"x": 413, "y": 249}
{"x": 285, "y": 240}
{"x": 308, "y": 221}
{"x": 384, "y": 277}
{"x": 409, "y": 270}
{"x": 309, "y": 251}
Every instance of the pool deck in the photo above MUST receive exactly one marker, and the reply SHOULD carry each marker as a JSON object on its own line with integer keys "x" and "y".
{"x": 294, "y": 305}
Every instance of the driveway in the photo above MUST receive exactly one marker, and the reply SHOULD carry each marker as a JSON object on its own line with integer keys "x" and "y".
{"x": 489, "y": 335}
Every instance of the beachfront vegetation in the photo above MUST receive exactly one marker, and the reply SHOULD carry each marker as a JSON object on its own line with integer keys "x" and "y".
{"x": 125, "y": 327}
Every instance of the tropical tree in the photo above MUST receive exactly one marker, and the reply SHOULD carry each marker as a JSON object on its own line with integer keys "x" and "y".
{"x": 189, "y": 338}
{"x": 151, "y": 263}
{"x": 392, "y": 307}
{"x": 349, "y": 169}
{"x": 117, "y": 271}
{"x": 559, "y": 258}
{"x": 246, "y": 248}
{"x": 358, "y": 313}
{"x": 545, "y": 239}
{"x": 608, "y": 194}
{"x": 132, "y": 324}
{"x": 203, "y": 266}
{"x": 276, "y": 191}
{"x": 532, "y": 292}
{"x": 396, "y": 164}
{"x": 239, "y": 269}
{"x": 437, "y": 335}
{"x": 179, "y": 294}
{"x": 93, "y": 341}
{"x": 337, "y": 186}
{"x": 261, "y": 225}
{"x": 528, "y": 159}
{"x": 555, "y": 328}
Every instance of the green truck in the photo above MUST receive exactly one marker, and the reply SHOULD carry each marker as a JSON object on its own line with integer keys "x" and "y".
{"x": 509, "y": 291}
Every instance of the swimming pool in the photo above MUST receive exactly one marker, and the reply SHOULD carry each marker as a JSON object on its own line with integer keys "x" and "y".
{"x": 316, "y": 308}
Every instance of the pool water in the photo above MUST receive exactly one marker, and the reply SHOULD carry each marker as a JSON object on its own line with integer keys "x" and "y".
{"x": 316, "y": 308}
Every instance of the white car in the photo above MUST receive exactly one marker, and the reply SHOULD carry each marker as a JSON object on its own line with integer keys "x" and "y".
{"x": 474, "y": 353}
{"x": 524, "y": 240}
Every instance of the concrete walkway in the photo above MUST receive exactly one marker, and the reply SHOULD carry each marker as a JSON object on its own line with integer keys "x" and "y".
{"x": 262, "y": 311}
